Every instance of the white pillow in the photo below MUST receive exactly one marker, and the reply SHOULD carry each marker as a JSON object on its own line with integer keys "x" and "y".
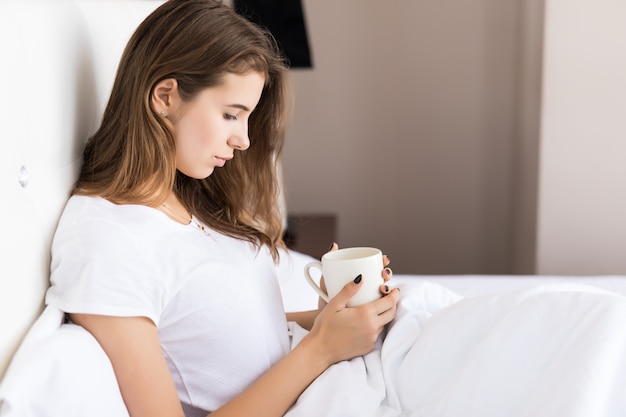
{"x": 60, "y": 370}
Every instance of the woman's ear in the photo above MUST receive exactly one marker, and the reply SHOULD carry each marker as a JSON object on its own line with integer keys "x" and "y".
{"x": 165, "y": 98}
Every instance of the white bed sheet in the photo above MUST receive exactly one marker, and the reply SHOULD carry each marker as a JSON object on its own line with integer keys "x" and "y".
{"x": 469, "y": 285}
{"x": 297, "y": 295}
{"x": 557, "y": 349}
{"x": 480, "y": 345}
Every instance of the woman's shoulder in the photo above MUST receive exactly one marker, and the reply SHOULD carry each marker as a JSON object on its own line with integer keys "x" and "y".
{"x": 96, "y": 216}
{"x": 83, "y": 208}
{"x": 99, "y": 206}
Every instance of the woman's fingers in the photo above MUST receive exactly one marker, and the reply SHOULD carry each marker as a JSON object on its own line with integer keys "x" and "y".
{"x": 387, "y": 274}
{"x": 387, "y": 304}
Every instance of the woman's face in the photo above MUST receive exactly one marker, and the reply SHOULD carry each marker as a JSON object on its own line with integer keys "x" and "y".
{"x": 214, "y": 124}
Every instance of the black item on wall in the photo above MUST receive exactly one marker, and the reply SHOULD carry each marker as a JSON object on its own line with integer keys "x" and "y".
{"x": 285, "y": 20}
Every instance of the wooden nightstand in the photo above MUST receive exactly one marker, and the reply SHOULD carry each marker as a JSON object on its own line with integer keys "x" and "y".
{"x": 311, "y": 234}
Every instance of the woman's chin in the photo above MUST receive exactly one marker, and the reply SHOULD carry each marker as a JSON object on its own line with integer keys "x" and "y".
{"x": 199, "y": 174}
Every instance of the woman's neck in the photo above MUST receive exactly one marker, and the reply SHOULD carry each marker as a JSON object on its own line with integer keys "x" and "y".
{"x": 175, "y": 210}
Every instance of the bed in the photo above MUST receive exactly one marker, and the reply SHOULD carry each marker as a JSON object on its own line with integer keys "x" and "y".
{"x": 462, "y": 345}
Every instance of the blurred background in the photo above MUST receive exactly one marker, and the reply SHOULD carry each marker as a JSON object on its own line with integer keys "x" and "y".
{"x": 463, "y": 137}
{"x": 408, "y": 129}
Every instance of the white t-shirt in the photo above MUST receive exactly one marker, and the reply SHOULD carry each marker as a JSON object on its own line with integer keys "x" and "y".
{"x": 215, "y": 299}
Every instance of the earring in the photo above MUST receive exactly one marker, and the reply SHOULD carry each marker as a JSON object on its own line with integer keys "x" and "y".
{"x": 163, "y": 113}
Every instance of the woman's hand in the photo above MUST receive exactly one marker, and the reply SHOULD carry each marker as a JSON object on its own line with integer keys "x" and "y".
{"x": 306, "y": 318}
{"x": 340, "y": 332}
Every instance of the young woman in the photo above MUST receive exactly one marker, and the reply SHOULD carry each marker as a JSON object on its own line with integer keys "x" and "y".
{"x": 166, "y": 250}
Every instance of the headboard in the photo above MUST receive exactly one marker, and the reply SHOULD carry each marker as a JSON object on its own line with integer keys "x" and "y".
{"x": 58, "y": 64}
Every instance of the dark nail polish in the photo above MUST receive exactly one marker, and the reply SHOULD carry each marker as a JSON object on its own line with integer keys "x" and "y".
{"x": 386, "y": 288}
{"x": 358, "y": 279}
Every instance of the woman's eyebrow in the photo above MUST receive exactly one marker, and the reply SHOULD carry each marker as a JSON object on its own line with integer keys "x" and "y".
{"x": 239, "y": 106}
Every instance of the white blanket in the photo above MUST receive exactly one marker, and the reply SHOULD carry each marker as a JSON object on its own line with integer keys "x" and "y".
{"x": 556, "y": 350}
{"x": 551, "y": 350}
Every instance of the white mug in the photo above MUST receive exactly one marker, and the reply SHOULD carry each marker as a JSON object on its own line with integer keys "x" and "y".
{"x": 344, "y": 265}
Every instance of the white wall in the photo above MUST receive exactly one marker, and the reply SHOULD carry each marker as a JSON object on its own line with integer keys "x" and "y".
{"x": 406, "y": 128}
{"x": 582, "y": 198}
{"x": 59, "y": 61}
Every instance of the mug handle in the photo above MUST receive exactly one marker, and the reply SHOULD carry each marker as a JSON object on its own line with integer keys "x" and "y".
{"x": 311, "y": 281}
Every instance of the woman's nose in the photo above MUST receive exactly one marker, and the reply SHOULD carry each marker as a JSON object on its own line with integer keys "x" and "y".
{"x": 239, "y": 140}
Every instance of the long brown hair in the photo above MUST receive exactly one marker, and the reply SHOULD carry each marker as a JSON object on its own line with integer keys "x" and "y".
{"x": 131, "y": 158}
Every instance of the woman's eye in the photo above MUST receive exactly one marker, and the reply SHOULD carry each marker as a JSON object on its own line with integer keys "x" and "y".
{"x": 229, "y": 116}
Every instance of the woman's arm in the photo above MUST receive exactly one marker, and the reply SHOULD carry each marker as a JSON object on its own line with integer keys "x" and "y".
{"x": 148, "y": 389}
{"x": 305, "y": 319}
{"x": 338, "y": 333}
{"x": 132, "y": 345}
